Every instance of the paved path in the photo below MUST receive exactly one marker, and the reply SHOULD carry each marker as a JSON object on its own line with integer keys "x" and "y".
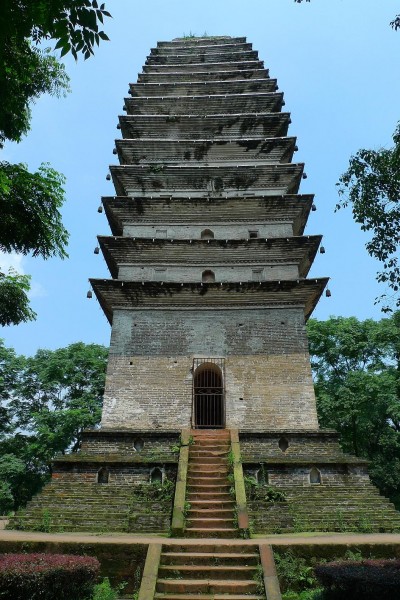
{"x": 274, "y": 540}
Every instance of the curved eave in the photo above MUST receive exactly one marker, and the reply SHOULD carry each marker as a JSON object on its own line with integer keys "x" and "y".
{"x": 114, "y": 294}
{"x": 126, "y": 210}
{"x": 130, "y": 251}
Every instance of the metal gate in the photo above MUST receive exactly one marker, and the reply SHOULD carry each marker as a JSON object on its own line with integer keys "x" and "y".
{"x": 208, "y": 394}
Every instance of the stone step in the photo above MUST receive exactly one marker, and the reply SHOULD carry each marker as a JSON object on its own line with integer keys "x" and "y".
{"x": 200, "y": 532}
{"x": 206, "y": 586}
{"x": 210, "y": 523}
{"x": 198, "y": 488}
{"x": 210, "y": 572}
{"x": 206, "y": 459}
{"x": 207, "y": 469}
{"x": 211, "y": 479}
{"x": 205, "y": 513}
{"x": 224, "y": 497}
{"x": 207, "y": 558}
{"x": 212, "y": 503}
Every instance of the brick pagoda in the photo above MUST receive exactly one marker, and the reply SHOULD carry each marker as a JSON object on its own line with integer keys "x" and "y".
{"x": 208, "y": 298}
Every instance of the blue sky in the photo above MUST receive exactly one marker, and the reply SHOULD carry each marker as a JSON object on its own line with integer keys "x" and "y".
{"x": 335, "y": 60}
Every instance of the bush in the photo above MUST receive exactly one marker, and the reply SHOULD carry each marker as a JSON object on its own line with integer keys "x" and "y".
{"x": 360, "y": 580}
{"x": 47, "y": 576}
{"x": 104, "y": 591}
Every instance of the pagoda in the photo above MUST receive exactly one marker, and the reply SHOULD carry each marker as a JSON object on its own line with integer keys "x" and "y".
{"x": 208, "y": 299}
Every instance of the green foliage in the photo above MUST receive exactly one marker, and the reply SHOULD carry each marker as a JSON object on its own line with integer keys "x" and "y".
{"x": 30, "y": 207}
{"x": 45, "y": 403}
{"x": 30, "y": 202}
{"x": 371, "y": 186}
{"x": 295, "y": 575}
{"x": 28, "y": 73}
{"x": 14, "y": 301}
{"x": 104, "y": 591}
{"x": 356, "y": 366}
{"x": 11, "y": 470}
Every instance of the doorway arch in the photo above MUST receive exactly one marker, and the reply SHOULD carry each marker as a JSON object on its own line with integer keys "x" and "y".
{"x": 208, "y": 397}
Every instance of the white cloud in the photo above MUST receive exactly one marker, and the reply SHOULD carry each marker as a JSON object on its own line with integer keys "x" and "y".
{"x": 13, "y": 261}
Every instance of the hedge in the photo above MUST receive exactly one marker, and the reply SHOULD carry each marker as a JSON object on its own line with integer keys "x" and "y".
{"x": 47, "y": 576}
{"x": 360, "y": 580}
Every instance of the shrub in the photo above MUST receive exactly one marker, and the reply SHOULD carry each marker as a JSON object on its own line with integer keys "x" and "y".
{"x": 104, "y": 591}
{"x": 360, "y": 580}
{"x": 295, "y": 575}
{"x": 47, "y": 576}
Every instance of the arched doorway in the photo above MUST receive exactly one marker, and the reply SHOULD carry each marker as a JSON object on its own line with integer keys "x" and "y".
{"x": 208, "y": 397}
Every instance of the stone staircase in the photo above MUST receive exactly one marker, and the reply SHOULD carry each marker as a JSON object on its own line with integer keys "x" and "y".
{"x": 216, "y": 572}
{"x": 211, "y": 510}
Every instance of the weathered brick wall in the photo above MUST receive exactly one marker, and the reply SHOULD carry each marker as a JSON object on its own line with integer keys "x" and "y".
{"x": 118, "y": 474}
{"x": 332, "y": 475}
{"x": 222, "y": 232}
{"x": 173, "y": 273}
{"x": 268, "y": 380}
{"x": 311, "y": 446}
{"x": 144, "y": 445}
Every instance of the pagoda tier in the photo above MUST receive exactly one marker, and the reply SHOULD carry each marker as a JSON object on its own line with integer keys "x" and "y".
{"x": 173, "y": 49}
{"x": 194, "y": 88}
{"x": 183, "y": 217}
{"x": 248, "y": 125}
{"x": 274, "y": 150}
{"x": 152, "y": 76}
{"x": 201, "y": 179}
{"x": 289, "y": 258}
{"x": 116, "y": 295}
{"x": 205, "y": 58}
{"x": 216, "y": 67}
{"x": 216, "y": 104}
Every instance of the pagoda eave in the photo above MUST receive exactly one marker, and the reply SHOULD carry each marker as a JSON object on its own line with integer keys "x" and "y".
{"x": 125, "y": 250}
{"x": 115, "y": 294}
{"x": 127, "y": 210}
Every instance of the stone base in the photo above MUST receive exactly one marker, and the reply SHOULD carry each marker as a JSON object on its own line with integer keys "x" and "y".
{"x": 302, "y": 481}
{"x": 119, "y": 481}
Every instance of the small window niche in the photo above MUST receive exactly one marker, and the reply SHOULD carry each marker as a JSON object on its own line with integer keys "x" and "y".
{"x": 103, "y": 475}
{"x": 157, "y": 475}
{"x": 208, "y": 276}
{"x": 207, "y": 234}
{"x": 161, "y": 234}
{"x": 138, "y": 445}
{"x": 315, "y": 476}
{"x": 253, "y": 233}
{"x": 283, "y": 444}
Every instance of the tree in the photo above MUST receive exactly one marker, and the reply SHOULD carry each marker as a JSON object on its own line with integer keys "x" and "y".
{"x": 371, "y": 185}
{"x": 47, "y": 401}
{"x": 26, "y": 72}
{"x": 356, "y": 367}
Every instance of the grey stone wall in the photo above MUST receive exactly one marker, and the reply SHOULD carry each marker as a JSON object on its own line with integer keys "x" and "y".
{"x": 267, "y": 373}
{"x": 230, "y": 231}
{"x": 193, "y": 274}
